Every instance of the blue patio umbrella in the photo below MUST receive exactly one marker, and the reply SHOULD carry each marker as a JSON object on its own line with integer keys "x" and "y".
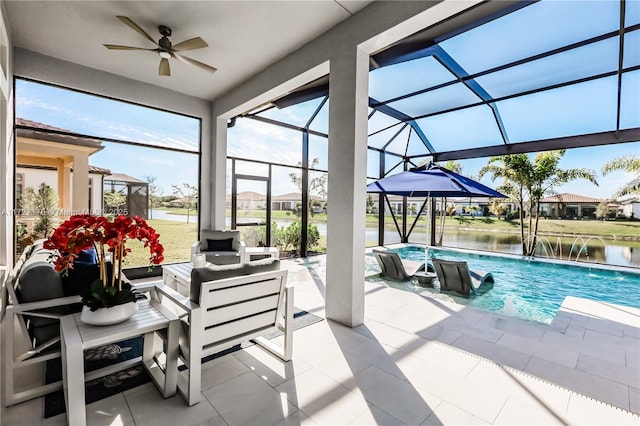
{"x": 430, "y": 180}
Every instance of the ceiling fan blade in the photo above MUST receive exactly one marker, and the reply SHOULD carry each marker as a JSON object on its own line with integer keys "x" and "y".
{"x": 198, "y": 64}
{"x": 136, "y": 27}
{"x": 194, "y": 43}
{"x": 118, "y": 47}
{"x": 164, "y": 67}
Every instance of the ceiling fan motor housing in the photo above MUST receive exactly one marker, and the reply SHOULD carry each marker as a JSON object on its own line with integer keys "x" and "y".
{"x": 164, "y": 42}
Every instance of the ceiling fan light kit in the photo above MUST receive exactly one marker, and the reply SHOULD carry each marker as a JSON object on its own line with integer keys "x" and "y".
{"x": 165, "y": 49}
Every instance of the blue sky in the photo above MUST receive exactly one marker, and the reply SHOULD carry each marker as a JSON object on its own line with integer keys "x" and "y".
{"x": 582, "y": 108}
{"x": 93, "y": 115}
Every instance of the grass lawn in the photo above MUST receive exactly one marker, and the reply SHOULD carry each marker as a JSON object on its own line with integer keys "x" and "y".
{"x": 605, "y": 229}
{"x": 176, "y": 237}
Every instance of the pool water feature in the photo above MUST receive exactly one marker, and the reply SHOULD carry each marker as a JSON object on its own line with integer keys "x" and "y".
{"x": 533, "y": 289}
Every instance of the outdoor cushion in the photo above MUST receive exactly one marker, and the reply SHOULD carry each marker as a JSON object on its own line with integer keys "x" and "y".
{"x": 38, "y": 280}
{"x": 219, "y": 272}
{"x": 220, "y": 245}
{"x": 209, "y": 234}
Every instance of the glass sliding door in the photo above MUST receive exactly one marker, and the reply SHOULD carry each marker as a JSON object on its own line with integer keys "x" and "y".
{"x": 250, "y": 209}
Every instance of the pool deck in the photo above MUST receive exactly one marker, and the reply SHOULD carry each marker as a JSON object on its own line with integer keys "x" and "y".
{"x": 416, "y": 360}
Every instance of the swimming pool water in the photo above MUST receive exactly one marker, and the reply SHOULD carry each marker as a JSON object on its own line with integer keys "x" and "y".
{"x": 533, "y": 289}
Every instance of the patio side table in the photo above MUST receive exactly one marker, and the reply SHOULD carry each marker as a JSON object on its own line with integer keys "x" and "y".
{"x": 257, "y": 253}
{"x": 77, "y": 336}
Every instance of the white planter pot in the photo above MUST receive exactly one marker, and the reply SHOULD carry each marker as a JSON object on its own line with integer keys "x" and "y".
{"x": 108, "y": 316}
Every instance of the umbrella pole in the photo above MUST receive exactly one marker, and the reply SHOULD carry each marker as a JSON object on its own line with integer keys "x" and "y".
{"x": 415, "y": 221}
{"x": 432, "y": 218}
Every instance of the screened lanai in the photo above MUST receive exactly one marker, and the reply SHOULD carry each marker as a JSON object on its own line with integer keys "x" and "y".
{"x": 532, "y": 77}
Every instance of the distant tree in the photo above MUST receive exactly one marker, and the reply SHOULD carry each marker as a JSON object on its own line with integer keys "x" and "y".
{"x": 190, "y": 195}
{"x": 370, "y": 204}
{"x": 114, "y": 200}
{"x": 317, "y": 183}
{"x": 498, "y": 208}
{"x": 630, "y": 164}
{"x": 472, "y": 210}
{"x": 602, "y": 211}
{"x": 43, "y": 204}
{"x": 454, "y": 166}
{"x": 154, "y": 194}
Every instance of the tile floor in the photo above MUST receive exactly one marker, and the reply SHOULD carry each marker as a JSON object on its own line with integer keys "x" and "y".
{"x": 415, "y": 361}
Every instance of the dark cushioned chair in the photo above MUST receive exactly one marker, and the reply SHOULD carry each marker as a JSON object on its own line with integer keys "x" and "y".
{"x": 455, "y": 276}
{"x": 394, "y": 267}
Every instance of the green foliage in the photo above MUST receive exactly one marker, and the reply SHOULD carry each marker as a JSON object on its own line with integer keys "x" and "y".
{"x": 44, "y": 205}
{"x": 254, "y": 236}
{"x": 100, "y": 296}
{"x": 454, "y": 166}
{"x": 289, "y": 238}
{"x": 498, "y": 208}
{"x": 525, "y": 182}
{"x": 631, "y": 165}
{"x": 114, "y": 200}
{"x": 602, "y": 211}
{"x": 370, "y": 204}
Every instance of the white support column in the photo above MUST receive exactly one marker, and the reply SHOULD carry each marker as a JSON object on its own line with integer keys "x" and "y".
{"x": 348, "y": 94}
{"x": 217, "y": 178}
{"x": 80, "y": 191}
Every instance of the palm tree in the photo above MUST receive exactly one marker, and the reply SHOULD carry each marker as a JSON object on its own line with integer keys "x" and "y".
{"x": 532, "y": 179}
{"x": 630, "y": 164}
{"x": 515, "y": 171}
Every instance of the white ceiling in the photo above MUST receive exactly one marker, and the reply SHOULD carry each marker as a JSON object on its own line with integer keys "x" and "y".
{"x": 244, "y": 37}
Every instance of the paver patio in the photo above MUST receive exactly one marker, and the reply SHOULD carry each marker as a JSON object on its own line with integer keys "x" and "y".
{"x": 415, "y": 360}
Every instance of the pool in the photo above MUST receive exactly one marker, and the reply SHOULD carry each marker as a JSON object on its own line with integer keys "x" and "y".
{"x": 534, "y": 289}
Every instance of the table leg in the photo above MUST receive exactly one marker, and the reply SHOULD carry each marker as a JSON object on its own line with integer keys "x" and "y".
{"x": 165, "y": 380}
{"x": 171, "y": 367}
{"x": 72, "y": 371}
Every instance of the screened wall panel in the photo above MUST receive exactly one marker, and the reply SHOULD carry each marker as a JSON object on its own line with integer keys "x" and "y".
{"x": 467, "y": 128}
{"x": 318, "y": 149}
{"x": 407, "y": 77}
{"x": 630, "y": 106}
{"x": 437, "y": 100}
{"x": 379, "y": 121}
{"x": 321, "y": 122}
{"x": 559, "y": 68}
{"x": 582, "y": 108}
{"x": 526, "y": 37}
{"x": 256, "y": 140}
{"x": 297, "y": 116}
{"x": 631, "y": 48}
{"x": 383, "y": 137}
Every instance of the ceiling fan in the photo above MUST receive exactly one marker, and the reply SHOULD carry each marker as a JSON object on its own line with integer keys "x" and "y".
{"x": 165, "y": 49}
